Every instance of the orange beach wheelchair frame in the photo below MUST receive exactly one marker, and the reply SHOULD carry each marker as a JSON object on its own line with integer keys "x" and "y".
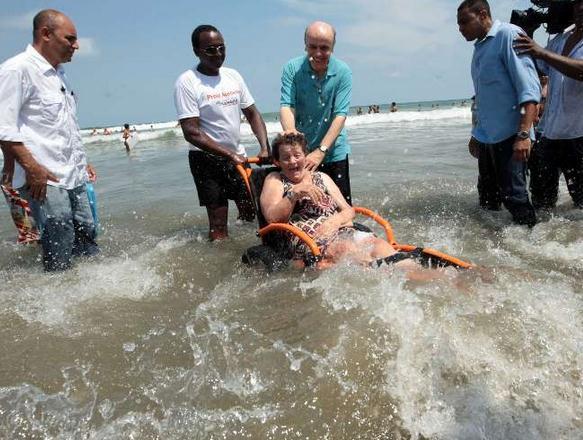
{"x": 433, "y": 257}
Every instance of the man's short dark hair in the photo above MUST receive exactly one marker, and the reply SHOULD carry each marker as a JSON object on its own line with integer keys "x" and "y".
{"x": 475, "y": 6}
{"x": 199, "y": 30}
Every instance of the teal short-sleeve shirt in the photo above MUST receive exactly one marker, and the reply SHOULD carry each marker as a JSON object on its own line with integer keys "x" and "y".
{"x": 317, "y": 101}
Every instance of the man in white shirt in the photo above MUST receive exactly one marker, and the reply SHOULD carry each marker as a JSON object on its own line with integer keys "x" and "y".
{"x": 561, "y": 146}
{"x": 39, "y": 129}
{"x": 209, "y": 100}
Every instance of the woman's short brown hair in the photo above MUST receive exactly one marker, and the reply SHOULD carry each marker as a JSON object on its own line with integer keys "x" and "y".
{"x": 288, "y": 139}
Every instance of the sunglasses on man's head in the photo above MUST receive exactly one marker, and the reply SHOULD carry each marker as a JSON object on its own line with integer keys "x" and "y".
{"x": 214, "y": 50}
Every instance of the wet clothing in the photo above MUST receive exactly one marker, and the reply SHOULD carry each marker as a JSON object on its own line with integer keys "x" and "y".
{"x": 340, "y": 175}
{"x": 66, "y": 225}
{"x": 308, "y": 216}
{"x": 548, "y": 159}
{"x": 217, "y": 181}
{"x": 503, "y": 180}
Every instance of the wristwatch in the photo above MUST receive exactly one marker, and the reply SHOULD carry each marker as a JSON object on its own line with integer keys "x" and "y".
{"x": 523, "y": 135}
{"x": 323, "y": 148}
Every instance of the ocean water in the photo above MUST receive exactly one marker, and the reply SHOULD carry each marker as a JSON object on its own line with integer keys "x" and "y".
{"x": 168, "y": 336}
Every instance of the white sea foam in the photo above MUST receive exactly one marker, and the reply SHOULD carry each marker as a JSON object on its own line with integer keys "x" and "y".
{"x": 159, "y": 130}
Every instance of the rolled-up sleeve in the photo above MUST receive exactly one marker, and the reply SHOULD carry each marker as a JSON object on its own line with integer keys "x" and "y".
{"x": 11, "y": 98}
{"x": 522, "y": 73}
{"x": 343, "y": 95}
{"x": 288, "y": 86}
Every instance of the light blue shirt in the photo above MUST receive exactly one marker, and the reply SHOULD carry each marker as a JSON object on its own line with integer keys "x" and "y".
{"x": 317, "y": 101}
{"x": 562, "y": 117}
{"x": 503, "y": 81}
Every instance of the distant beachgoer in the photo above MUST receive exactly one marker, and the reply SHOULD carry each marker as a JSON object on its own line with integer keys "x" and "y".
{"x": 106, "y": 131}
{"x": 506, "y": 98}
{"x": 208, "y": 101}
{"x": 370, "y": 110}
{"x": 393, "y": 108}
{"x": 418, "y": 107}
{"x": 359, "y": 111}
{"x": 561, "y": 146}
{"x": 51, "y": 169}
{"x": 94, "y": 132}
{"x": 126, "y": 135}
{"x": 315, "y": 100}
{"x": 151, "y": 127}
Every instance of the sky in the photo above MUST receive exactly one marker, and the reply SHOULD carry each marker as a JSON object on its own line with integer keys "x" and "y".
{"x": 132, "y": 51}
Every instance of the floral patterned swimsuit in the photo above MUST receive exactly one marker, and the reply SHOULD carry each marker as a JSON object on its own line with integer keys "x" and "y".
{"x": 308, "y": 216}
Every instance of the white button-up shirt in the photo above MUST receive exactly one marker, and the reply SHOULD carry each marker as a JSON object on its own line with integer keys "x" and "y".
{"x": 38, "y": 108}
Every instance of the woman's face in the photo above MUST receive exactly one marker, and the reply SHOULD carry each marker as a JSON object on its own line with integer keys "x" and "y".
{"x": 292, "y": 162}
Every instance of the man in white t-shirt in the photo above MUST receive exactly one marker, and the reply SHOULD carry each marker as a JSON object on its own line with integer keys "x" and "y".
{"x": 39, "y": 130}
{"x": 209, "y": 100}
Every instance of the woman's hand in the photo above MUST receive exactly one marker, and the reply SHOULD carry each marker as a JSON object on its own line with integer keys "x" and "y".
{"x": 307, "y": 190}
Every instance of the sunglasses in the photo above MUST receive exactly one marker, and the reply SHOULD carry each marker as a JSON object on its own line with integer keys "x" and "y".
{"x": 214, "y": 50}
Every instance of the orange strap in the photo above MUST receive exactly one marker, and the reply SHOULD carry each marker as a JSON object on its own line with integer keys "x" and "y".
{"x": 381, "y": 221}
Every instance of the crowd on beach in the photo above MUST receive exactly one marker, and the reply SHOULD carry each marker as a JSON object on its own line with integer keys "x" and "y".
{"x": 46, "y": 172}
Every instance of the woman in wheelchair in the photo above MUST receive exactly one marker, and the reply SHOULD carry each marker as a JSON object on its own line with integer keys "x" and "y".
{"x": 312, "y": 202}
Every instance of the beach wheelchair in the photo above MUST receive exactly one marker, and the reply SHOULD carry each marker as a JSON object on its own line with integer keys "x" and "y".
{"x": 274, "y": 254}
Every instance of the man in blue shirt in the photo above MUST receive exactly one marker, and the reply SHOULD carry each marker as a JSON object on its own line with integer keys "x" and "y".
{"x": 315, "y": 98}
{"x": 507, "y": 93}
{"x": 561, "y": 147}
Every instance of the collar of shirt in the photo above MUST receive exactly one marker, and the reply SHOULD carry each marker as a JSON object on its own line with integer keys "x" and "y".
{"x": 40, "y": 61}
{"x": 331, "y": 71}
{"x": 491, "y": 33}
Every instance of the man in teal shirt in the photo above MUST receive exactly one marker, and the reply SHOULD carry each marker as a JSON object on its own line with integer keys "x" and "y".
{"x": 315, "y": 98}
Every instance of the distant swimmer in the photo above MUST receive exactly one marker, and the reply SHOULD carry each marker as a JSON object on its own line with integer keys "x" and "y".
{"x": 394, "y": 107}
{"x": 359, "y": 111}
{"x": 106, "y": 131}
{"x": 126, "y": 135}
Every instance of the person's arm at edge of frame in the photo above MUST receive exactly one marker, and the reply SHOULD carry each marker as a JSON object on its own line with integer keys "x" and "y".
{"x": 342, "y": 104}
{"x": 196, "y": 136}
{"x": 259, "y": 129}
{"x": 571, "y": 67}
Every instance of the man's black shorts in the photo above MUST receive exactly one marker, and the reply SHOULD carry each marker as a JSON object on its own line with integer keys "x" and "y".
{"x": 338, "y": 172}
{"x": 216, "y": 178}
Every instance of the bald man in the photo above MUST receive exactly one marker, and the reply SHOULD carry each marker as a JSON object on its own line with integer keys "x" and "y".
{"x": 39, "y": 129}
{"x": 315, "y": 97}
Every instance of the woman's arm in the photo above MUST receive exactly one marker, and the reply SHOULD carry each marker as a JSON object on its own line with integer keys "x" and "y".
{"x": 345, "y": 212}
{"x": 275, "y": 207}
